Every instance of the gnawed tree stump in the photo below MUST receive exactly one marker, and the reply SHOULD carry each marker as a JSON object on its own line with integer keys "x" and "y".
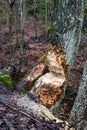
{"x": 56, "y": 61}
{"x": 47, "y": 87}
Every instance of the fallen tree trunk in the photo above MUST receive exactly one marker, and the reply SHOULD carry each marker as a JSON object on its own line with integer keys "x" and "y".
{"x": 28, "y": 107}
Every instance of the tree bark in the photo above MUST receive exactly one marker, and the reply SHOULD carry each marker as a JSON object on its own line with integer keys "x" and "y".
{"x": 66, "y": 28}
{"x": 79, "y": 110}
{"x": 65, "y": 31}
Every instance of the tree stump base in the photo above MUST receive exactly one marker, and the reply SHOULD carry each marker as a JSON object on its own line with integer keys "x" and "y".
{"x": 47, "y": 87}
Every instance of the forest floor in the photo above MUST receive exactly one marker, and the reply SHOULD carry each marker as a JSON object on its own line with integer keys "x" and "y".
{"x": 33, "y": 48}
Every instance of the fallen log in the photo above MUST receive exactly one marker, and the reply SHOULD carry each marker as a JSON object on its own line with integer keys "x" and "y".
{"x": 27, "y": 106}
{"x": 30, "y": 106}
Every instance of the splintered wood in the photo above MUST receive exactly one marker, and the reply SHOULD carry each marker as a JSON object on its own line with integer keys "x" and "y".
{"x": 56, "y": 60}
{"x": 36, "y": 72}
{"x": 48, "y": 87}
{"x": 47, "y": 79}
{"x": 27, "y": 82}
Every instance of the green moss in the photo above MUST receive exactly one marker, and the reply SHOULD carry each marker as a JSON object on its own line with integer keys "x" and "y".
{"x": 50, "y": 26}
{"x": 45, "y": 70}
{"x": 43, "y": 58}
{"x": 6, "y": 79}
{"x": 85, "y": 11}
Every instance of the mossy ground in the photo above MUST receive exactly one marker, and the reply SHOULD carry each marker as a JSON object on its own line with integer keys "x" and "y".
{"x": 6, "y": 79}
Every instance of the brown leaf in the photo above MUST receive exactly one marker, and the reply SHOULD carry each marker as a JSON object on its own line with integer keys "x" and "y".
{"x": 36, "y": 53}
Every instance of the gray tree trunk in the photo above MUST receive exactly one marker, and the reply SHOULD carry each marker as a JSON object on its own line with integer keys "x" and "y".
{"x": 79, "y": 110}
{"x": 66, "y": 26}
{"x": 67, "y": 19}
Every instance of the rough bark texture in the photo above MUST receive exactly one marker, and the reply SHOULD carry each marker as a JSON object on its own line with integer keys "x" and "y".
{"x": 79, "y": 109}
{"x": 66, "y": 26}
{"x": 65, "y": 30}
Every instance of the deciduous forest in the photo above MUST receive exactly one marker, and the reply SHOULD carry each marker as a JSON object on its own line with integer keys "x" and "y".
{"x": 43, "y": 64}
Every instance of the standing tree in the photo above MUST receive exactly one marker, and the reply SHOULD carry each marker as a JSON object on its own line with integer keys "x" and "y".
{"x": 79, "y": 110}
{"x": 64, "y": 33}
{"x": 21, "y": 26}
{"x": 11, "y": 4}
{"x": 66, "y": 26}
